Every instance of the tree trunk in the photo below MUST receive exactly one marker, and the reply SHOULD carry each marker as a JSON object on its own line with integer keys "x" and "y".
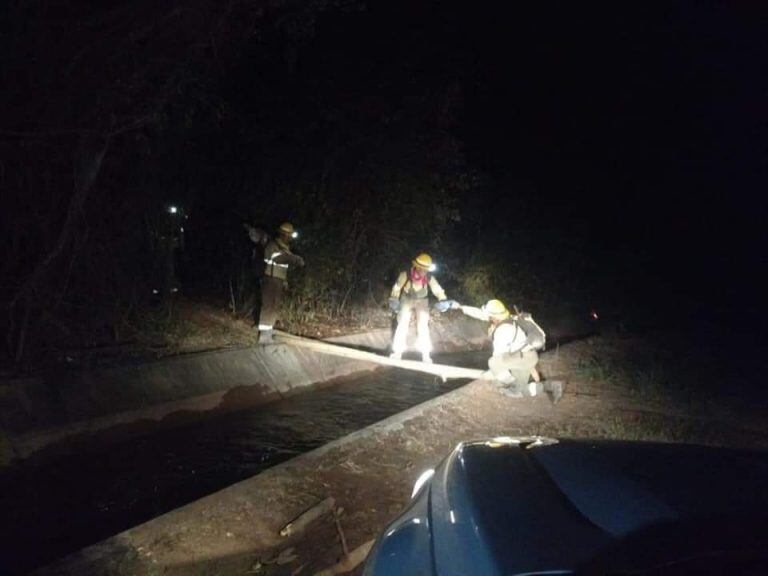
{"x": 89, "y": 159}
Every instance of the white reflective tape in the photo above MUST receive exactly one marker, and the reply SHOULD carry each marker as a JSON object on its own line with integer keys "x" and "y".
{"x": 265, "y": 327}
{"x": 273, "y": 263}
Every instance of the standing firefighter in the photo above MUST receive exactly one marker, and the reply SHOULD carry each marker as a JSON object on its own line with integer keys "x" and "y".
{"x": 516, "y": 339}
{"x": 410, "y": 294}
{"x": 277, "y": 259}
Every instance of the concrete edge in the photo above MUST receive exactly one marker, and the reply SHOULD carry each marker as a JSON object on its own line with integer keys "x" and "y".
{"x": 258, "y": 375}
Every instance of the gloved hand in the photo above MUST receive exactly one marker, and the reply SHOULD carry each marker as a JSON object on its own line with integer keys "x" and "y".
{"x": 443, "y": 305}
{"x": 394, "y": 305}
{"x": 300, "y": 261}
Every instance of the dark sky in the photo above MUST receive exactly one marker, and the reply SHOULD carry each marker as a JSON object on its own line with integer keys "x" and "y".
{"x": 639, "y": 130}
{"x": 643, "y": 124}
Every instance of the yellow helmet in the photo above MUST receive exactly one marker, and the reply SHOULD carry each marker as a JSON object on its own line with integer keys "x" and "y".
{"x": 496, "y": 309}
{"x": 424, "y": 262}
{"x": 288, "y": 229}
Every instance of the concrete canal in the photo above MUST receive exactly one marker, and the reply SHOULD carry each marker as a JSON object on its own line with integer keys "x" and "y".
{"x": 56, "y": 503}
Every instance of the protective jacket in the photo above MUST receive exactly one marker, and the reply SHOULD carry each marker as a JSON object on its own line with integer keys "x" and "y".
{"x": 516, "y": 333}
{"x": 277, "y": 259}
{"x": 409, "y": 289}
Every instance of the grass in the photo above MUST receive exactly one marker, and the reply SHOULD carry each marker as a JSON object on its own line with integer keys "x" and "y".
{"x": 184, "y": 327}
{"x": 646, "y": 373}
{"x": 318, "y": 319}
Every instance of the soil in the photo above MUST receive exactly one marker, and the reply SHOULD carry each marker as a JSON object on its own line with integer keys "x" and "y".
{"x": 188, "y": 326}
{"x": 370, "y": 473}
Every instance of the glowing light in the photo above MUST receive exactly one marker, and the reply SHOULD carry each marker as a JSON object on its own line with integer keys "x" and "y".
{"x": 421, "y": 480}
{"x": 172, "y": 209}
{"x": 453, "y": 517}
{"x": 417, "y": 520}
{"x": 294, "y": 235}
{"x": 593, "y": 315}
{"x": 433, "y": 268}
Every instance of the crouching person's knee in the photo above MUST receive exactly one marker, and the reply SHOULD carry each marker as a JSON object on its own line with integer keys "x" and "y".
{"x": 499, "y": 370}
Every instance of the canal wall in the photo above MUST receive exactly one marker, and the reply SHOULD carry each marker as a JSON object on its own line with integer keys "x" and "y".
{"x": 369, "y": 473}
{"x": 40, "y": 412}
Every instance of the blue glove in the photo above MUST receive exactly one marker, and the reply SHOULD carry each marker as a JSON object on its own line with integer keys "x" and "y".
{"x": 443, "y": 305}
{"x": 394, "y": 305}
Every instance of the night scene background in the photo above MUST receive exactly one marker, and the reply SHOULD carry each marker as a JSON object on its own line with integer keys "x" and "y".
{"x": 553, "y": 156}
{"x": 600, "y": 165}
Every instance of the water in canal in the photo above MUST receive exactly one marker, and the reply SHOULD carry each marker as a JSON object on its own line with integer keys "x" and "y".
{"x": 52, "y": 507}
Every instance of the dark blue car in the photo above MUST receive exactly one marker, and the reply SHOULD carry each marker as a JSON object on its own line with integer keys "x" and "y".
{"x": 539, "y": 506}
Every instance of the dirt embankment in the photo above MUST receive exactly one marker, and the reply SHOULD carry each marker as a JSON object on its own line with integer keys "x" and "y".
{"x": 186, "y": 326}
{"x": 370, "y": 473}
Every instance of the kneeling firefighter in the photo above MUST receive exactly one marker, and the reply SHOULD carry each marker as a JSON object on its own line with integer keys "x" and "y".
{"x": 410, "y": 295}
{"x": 277, "y": 260}
{"x": 516, "y": 340}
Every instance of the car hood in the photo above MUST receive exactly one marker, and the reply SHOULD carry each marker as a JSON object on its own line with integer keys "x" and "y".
{"x": 532, "y": 505}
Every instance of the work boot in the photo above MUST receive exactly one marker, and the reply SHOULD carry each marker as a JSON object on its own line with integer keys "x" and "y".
{"x": 266, "y": 337}
{"x": 555, "y": 389}
{"x": 396, "y": 355}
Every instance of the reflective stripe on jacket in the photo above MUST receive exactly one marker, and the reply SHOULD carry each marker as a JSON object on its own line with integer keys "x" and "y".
{"x": 277, "y": 258}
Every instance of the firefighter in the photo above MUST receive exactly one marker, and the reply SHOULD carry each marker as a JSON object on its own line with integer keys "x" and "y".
{"x": 516, "y": 339}
{"x": 410, "y": 295}
{"x": 278, "y": 258}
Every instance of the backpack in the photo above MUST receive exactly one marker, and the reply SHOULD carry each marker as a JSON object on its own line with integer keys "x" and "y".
{"x": 536, "y": 337}
{"x": 260, "y": 240}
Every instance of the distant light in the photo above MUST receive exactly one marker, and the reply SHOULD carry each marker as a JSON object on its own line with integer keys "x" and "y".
{"x": 423, "y": 479}
{"x": 593, "y": 315}
{"x": 172, "y": 209}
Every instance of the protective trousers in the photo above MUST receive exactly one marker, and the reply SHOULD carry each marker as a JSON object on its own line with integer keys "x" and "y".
{"x": 514, "y": 368}
{"x": 409, "y": 306}
{"x": 271, "y": 296}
